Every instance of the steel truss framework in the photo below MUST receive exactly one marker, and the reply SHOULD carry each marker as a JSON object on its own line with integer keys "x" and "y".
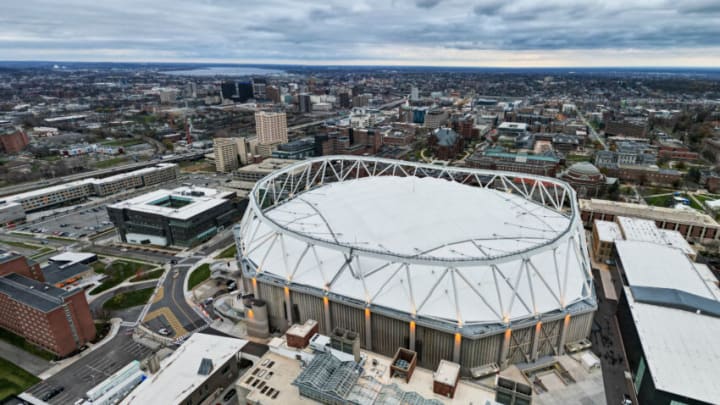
{"x": 460, "y": 293}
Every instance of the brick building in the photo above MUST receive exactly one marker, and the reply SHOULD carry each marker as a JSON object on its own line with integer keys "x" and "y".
{"x": 57, "y": 320}
{"x": 625, "y": 128}
{"x": 14, "y": 263}
{"x": 692, "y": 224}
{"x": 13, "y": 141}
{"x": 499, "y": 159}
{"x": 445, "y": 143}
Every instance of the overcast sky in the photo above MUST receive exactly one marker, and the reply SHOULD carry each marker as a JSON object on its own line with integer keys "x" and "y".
{"x": 387, "y": 32}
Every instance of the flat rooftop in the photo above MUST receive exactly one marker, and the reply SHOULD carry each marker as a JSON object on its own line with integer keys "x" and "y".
{"x": 680, "y": 344}
{"x": 178, "y": 374}
{"x": 181, "y": 203}
{"x": 648, "y": 212}
{"x": 369, "y": 385}
{"x": 608, "y": 231}
{"x": 41, "y": 296}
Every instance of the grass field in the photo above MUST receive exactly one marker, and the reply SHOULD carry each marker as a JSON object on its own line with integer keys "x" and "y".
{"x": 124, "y": 142}
{"x": 21, "y": 245}
{"x": 658, "y": 201}
{"x": 118, "y": 272}
{"x": 103, "y": 164}
{"x": 14, "y": 380}
{"x": 20, "y": 342}
{"x": 199, "y": 275}
{"x": 149, "y": 275}
{"x": 228, "y": 253}
{"x": 128, "y": 299}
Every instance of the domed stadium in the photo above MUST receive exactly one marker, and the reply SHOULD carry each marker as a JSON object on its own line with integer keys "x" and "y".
{"x": 474, "y": 266}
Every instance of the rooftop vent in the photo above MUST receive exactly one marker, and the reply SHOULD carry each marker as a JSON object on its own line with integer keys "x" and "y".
{"x": 206, "y": 366}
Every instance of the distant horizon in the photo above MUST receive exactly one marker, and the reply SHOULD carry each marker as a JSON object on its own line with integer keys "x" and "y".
{"x": 354, "y": 64}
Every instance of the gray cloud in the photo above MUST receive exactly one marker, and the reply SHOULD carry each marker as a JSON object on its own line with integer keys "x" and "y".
{"x": 427, "y": 3}
{"x": 287, "y": 30}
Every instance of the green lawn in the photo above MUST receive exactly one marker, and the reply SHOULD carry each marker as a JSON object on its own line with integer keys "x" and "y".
{"x": 228, "y": 253}
{"x": 21, "y": 245}
{"x": 578, "y": 158}
{"x": 199, "y": 275}
{"x": 128, "y": 299}
{"x": 124, "y": 142}
{"x": 149, "y": 275}
{"x": 14, "y": 380}
{"x": 659, "y": 201}
{"x": 664, "y": 200}
{"x": 61, "y": 239}
{"x": 20, "y": 342}
{"x": 103, "y": 164}
{"x": 118, "y": 272}
{"x": 99, "y": 267}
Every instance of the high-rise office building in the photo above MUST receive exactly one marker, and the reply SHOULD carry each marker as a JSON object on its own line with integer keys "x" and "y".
{"x": 244, "y": 91}
{"x": 414, "y": 93}
{"x": 258, "y": 88}
{"x": 271, "y": 127}
{"x": 361, "y": 101}
{"x": 304, "y": 103}
{"x": 344, "y": 100}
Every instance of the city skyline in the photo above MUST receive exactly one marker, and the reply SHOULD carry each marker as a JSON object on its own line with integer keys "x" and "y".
{"x": 397, "y": 33}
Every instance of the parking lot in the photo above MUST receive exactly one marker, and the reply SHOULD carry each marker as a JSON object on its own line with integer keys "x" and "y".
{"x": 90, "y": 217}
{"x": 81, "y": 376}
{"x": 75, "y": 225}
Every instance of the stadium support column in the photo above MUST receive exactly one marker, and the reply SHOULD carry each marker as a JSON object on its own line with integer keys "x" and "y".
{"x": 288, "y": 306}
{"x": 535, "y": 341}
{"x": 411, "y": 341}
{"x": 368, "y": 329}
{"x": 326, "y": 313}
{"x": 456, "y": 347}
{"x": 563, "y": 334}
{"x": 505, "y": 348}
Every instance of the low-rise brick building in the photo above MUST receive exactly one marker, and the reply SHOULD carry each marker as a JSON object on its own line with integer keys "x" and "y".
{"x": 11, "y": 262}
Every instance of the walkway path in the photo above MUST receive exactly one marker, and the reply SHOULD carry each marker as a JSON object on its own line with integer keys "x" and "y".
{"x": 31, "y": 363}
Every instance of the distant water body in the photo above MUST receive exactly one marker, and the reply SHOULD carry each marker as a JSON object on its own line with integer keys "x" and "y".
{"x": 225, "y": 71}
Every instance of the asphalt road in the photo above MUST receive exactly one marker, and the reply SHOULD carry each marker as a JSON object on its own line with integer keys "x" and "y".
{"x": 606, "y": 344}
{"x": 92, "y": 369}
{"x": 173, "y": 299}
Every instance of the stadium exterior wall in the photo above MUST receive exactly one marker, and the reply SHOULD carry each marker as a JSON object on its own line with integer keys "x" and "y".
{"x": 523, "y": 343}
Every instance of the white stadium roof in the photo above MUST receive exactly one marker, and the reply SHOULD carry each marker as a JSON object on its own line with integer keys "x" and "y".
{"x": 431, "y": 246}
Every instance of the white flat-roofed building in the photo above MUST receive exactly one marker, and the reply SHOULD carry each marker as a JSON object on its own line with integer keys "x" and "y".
{"x": 48, "y": 197}
{"x": 605, "y": 233}
{"x": 11, "y": 213}
{"x": 184, "y": 216}
{"x": 669, "y": 319}
{"x": 199, "y": 369}
{"x": 646, "y": 230}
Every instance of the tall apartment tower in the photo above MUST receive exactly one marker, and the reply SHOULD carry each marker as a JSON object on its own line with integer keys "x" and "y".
{"x": 271, "y": 127}
{"x": 304, "y": 103}
{"x": 226, "y": 154}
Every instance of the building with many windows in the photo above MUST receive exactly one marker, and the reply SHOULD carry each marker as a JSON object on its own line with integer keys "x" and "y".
{"x": 57, "y": 320}
{"x": 271, "y": 127}
{"x": 183, "y": 217}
